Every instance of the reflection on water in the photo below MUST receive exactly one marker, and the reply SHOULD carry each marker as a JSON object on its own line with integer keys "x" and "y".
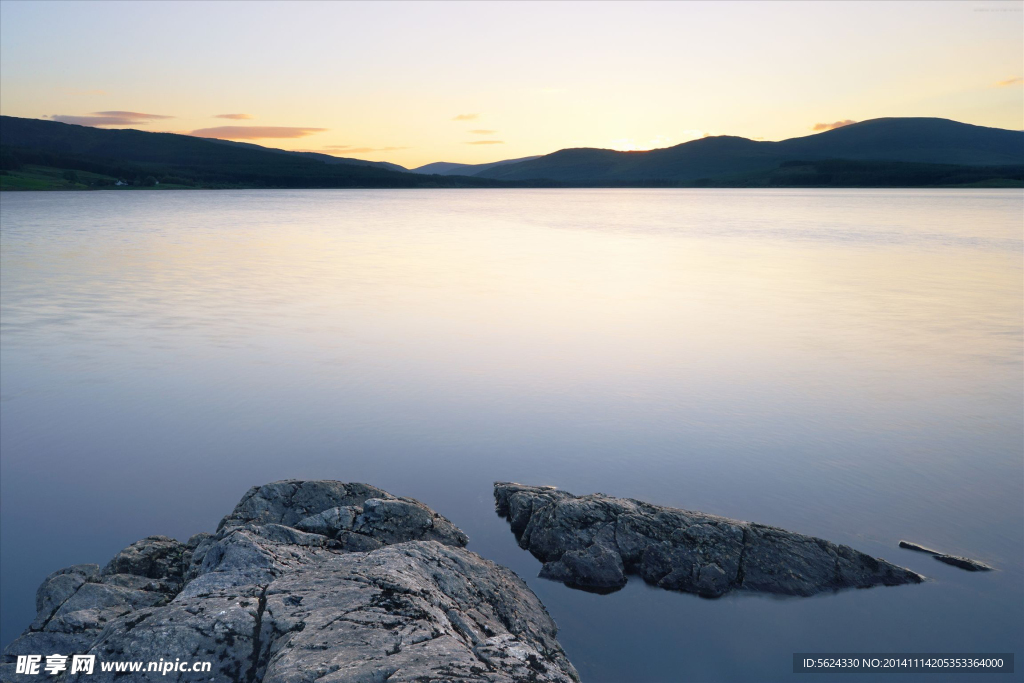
{"x": 846, "y": 364}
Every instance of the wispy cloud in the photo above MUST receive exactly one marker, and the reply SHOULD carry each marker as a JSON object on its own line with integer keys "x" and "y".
{"x": 255, "y": 132}
{"x": 480, "y": 131}
{"x": 111, "y": 118}
{"x": 1010, "y": 81}
{"x": 466, "y": 117}
{"x": 234, "y": 117}
{"x": 833, "y": 126}
{"x": 486, "y": 142}
{"x": 87, "y": 92}
{"x": 132, "y": 114}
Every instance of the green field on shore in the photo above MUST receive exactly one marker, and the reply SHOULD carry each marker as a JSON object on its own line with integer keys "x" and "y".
{"x": 33, "y": 177}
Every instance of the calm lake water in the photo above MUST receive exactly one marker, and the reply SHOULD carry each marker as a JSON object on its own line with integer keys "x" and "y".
{"x": 846, "y": 364}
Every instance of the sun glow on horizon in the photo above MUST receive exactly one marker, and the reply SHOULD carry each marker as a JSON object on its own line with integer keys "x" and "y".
{"x": 657, "y": 142}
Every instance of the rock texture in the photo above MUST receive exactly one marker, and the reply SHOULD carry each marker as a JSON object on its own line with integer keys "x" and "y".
{"x": 304, "y": 581}
{"x": 955, "y": 560}
{"x": 593, "y": 542}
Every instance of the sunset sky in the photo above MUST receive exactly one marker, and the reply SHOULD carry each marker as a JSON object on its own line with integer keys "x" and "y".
{"x": 473, "y": 82}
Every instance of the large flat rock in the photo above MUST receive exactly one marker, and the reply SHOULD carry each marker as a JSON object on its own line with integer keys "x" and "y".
{"x": 304, "y": 581}
{"x": 593, "y": 542}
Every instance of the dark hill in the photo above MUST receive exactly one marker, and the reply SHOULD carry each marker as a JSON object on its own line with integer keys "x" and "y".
{"x": 317, "y": 156}
{"x": 917, "y": 140}
{"x": 449, "y": 168}
{"x": 922, "y": 140}
{"x": 209, "y": 163}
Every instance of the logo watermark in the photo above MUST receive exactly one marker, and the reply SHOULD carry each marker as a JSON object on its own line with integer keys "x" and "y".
{"x": 909, "y": 662}
{"x": 86, "y": 664}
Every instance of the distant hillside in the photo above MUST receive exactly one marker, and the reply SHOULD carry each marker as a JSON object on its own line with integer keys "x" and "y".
{"x": 317, "y": 156}
{"x": 712, "y": 159}
{"x": 857, "y": 173}
{"x": 448, "y": 168}
{"x": 190, "y": 161}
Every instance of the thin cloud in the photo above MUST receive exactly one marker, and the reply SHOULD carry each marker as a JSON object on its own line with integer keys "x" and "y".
{"x": 466, "y": 117}
{"x": 486, "y": 142}
{"x": 234, "y": 117}
{"x": 833, "y": 126}
{"x": 111, "y": 118}
{"x": 255, "y": 132}
{"x": 480, "y": 131}
{"x": 1010, "y": 81}
{"x": 87, "y": 92}
{"x": 132, "y": 115}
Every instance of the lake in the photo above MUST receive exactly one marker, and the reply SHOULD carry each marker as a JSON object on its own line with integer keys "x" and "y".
{"x": 841, "y": 363}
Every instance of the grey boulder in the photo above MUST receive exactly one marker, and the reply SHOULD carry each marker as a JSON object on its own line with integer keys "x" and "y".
{"x": 593, "y": 542}
{"x": 304, "y": 581}
{"x": 337, "y": 509}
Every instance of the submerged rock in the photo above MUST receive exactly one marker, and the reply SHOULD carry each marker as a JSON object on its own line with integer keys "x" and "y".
{"x": 955, "y": 560}
{"x": 304, "y": 581}
{"x": 593, "y": 542}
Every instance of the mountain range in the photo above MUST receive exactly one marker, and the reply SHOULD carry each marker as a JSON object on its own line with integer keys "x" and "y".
{"x": 448, "y": 168}
{"x": 908, "y": 140}
{"x": 902, "y": 152}
{"x": 183, "y": 160}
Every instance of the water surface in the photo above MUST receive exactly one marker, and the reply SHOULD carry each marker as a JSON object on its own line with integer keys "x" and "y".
{"x": 846, "y": 364}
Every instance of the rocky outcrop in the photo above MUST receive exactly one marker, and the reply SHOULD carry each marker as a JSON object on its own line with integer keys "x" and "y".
{"x": 304, "y": 581}
{"x": 955, "y": 560}
{"x": 593, "y": 542}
